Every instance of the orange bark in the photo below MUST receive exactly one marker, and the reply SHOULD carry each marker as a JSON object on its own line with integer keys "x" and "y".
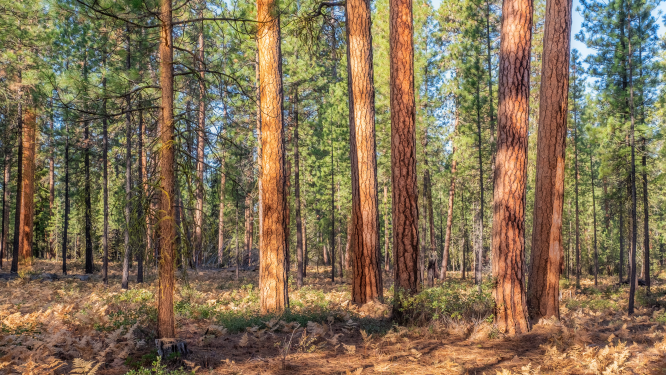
{"x": 547, "y": 248}
{"x": 28, "y": 191}
{"x": 510, "y": 171}
{"x": 166, "y": 324}
{"x": 367, "y": 280}
{"x": 403, "y": 150}
{"x": 273, "y": 264}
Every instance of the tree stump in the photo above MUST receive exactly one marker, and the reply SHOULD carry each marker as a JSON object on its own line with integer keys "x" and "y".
{"x": 166, "y": 347}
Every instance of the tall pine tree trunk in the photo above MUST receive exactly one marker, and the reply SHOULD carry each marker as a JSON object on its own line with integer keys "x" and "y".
{"x": 387, "y": 257}
{"x": 273, "y": 265}
{"x": 510, "y": 170}
{"x": 29, "y": 138}
{"x": 297, "y": 196}
{"x": 220, "y": 224}
{"x": 141, "y": 251}
{"x": 646, "y": 217}
{"x": 594, "y": 222}
{"x": 634, "y": 221}
{"x": 128, "y": 174}
{"x": 19, "y": 184}
{"x": 166, "y": 324}
{"x": 449, "y": 216}
{"x": 403, "y": 155}
{"x": 52, "y": 233}
{"x": 547, "y": 251}
{"x": 87, "y": 193}
{"x": 201, "y": 146}
{"x": 576, "y": 177}
{"x": 105, "y": 181}
{"x": 5, "y": 195}
{"x": 65, "y": 227}
{"x": 479, "y": 217}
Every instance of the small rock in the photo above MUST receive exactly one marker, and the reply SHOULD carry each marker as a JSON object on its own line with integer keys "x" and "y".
{"x": 82, "y": 277}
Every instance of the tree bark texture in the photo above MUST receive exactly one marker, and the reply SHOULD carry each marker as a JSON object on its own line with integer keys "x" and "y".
{"x": 547, "y": 250}
{"x": 128, "y": 181}
{"x": 403, "y": 153}
{"x": 105, "y": 183}
{"x": 29, "y": 140}
{"x": 19, "y": 189}
{"x": 65, "y": 227}
{"x": 166, "y": 324}
{"x": 367, "y": 280}
{"x": 273, "y": 265}
{"x": 646, "y": 223}
{"x": 510, "y": 170}
{"x": 5, "y": 198}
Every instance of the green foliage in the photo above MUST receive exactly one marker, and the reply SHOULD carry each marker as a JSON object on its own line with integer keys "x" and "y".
{"x": 158, "y": 369}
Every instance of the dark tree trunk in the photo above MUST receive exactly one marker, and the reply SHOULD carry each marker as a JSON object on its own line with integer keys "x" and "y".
{"x": 297, "y": 196}
{"x": 65, "y": 227}
{"x": 128, "y": 175}
{"x": 19, "y": 187}
{"x": 87, "y": 193}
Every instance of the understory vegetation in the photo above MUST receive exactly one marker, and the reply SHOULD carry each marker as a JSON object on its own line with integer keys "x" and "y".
{"x": 69, "y": 326}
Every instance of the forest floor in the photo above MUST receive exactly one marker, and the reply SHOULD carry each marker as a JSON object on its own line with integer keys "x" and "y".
{"x": 67, "y": 325}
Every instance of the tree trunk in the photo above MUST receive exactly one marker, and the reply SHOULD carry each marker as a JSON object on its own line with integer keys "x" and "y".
{"x": 510, "y": 171}
{"x": 28, "y": 180}
{"x": 403, "y": 155}
{"x": 621, "y": 233}
{"x": 634, "y": 226}
{"x": 646, "y": 217}
{"x": 547, "y": 252}
{"x": 128, "y": 175}
{"x": 387, "y": 257}
{"x": 65, "y": 227}
{"x": 201, "y": 145}
{"x": 260, "y": 199}
{"x": 19, "y": 185}
{"x": 220, "y": 225}
{"x": 594, "y": 221}
{"x": 166, "y": 324}
{"x": 332, "y": 234}
{"x": 273, "y": 265}
{"x": 141, "y": 251}
{"x": 576, "y": 177}
{"x": 5, "y": 194}
{"x": 52, "y": 234}
{"x": 449, "y": 216}
{"x": 248, "y": 228}
{"x": 297, "y": 196}
{"x": 86, "y": 193}
{"x": 432, "y": 254}
{"x": 105, "y": 181}
{"x": 478, "y": 221}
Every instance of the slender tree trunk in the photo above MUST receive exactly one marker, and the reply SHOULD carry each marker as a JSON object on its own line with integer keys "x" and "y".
{"x": 297, "y": 196}
{"x": 166, "y": 324}
{"x": 28, "y": 180}
{"x": 646, "y": 217}
{"x": 105, "y": 181}
{"x": 52, "y": 234}
{"x": 547, "y": 252}
{"x": 88, "y": 203}
{"x": 273, "y": 273}
{"x": 403, "y": 155}
{"x": 65, "y": 227}
{"x": 248, "y": 228}
{"x": 465, "y": 244}
{"x": 594, "y": 221}
{"x": 576, "y": 177}
{"x": 201, "y": 145}
{"x": 260, "y": 199}
{"x": 449, "y": 216}
{"x": 478, "y": 220}
{"x": 5, "y": 196}
{"x": 634, "y": 229}
{"x": 141, "y": 251}
{"x": 128, "y": 174}
{"x": 621, "y": 233}
{"x": 332, "y": 234}
{"x": 432, "y": 254}
{"x": 387, "y": 258}
{"x": 19, "y": 184}
{"x": 510, "y": 171}
{"x": 220, "y": 225}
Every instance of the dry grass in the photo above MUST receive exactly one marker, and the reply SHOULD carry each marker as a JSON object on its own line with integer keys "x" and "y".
{"x": 72, "y": 326}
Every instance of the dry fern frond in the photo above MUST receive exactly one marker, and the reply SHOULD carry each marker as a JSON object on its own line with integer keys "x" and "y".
{"x": 83, "y": 367}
